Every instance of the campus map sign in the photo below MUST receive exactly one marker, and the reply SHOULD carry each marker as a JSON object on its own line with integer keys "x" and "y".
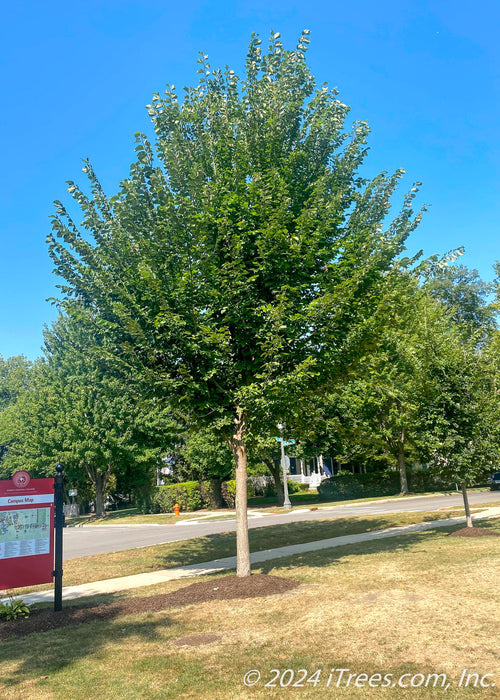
{"x": 26, "y": 531}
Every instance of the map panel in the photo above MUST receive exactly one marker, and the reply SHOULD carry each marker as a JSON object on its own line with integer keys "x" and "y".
{"x": 24, "y": 533}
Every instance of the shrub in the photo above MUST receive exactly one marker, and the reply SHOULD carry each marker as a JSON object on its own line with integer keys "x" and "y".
{"x": 143, "y": 497}
{"x": 229, "y": 491}
{"x": 13, "y": 610}
{"x": 427, "y": 480}
{"x": 263, "y": 485}
{"x": 345, "y": 485}
{"x": 211, "y": 493}
{"x": 341, "y": 488}
{"x": 187, "y": 495}
{"x": 192, "y": 495}
{"x": 294, "y": 487}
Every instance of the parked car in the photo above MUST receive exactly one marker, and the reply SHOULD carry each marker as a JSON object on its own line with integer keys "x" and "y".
{"x": 494, "y": 481}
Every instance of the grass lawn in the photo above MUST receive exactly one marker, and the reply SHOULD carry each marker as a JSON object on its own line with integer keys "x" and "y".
{"x": 201, "y": 549}
{"x": 421, "y": 603}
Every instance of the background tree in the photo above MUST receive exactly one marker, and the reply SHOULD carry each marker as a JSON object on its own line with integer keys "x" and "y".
{"x": 465, "y": 295}
{"x": 76, "y": 413}
{"x": 378, "y": 405}
{"x": 386, "y": 411}
{"x": 208, "y": 457}
{"x": 460, "y": 400}
{"x": 238, "y": 266}
{"x": 14, "y": 380}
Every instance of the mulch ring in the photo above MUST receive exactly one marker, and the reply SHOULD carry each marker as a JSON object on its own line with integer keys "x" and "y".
{"x": 474, "y": 532}
{"x": 224, "y": 588}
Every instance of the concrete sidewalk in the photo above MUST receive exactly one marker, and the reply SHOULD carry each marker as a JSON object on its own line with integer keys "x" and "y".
{"x": 114, "y": 585}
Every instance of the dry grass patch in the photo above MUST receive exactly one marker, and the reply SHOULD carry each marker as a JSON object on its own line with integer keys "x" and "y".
{"x": 200, "y": 549}
{"x": 419, "y": 603}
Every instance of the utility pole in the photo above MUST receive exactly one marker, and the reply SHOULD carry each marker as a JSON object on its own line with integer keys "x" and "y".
{"x": 286, "y": 502}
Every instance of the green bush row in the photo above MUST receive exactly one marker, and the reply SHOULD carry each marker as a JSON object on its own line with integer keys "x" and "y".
{"x": 191, "y": 495}
{"x": 270, "y": 489}
{"x": 187, "y": 495}
{"x": 295, "y": 487}
{"x": 348, "y": 486}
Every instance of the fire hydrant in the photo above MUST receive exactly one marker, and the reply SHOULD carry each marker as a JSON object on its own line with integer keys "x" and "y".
{"x": 177, "y": 509}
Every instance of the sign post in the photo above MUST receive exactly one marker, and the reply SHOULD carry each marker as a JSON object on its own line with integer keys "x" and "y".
{"x": 59, "y": 524}
{"x": 26, "y": 531}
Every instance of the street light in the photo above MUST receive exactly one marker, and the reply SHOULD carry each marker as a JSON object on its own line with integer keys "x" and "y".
{"x": 286, "y": 501}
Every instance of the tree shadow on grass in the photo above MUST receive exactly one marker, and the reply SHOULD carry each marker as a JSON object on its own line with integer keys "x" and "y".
{"x": 334, "y": 556}
{"x": 44, "y": 654}
{"x": 48, "y": 652}
{"x": 212, "y": 547}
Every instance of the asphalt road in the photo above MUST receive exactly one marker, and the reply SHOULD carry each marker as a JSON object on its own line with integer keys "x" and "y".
{"x": 92, "y": 539}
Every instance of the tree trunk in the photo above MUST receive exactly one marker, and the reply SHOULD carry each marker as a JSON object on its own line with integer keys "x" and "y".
{"x": 466, "y": 505}
{"x": 276, "y": 473}
{"x": 99, "y": 481}
{"x": 100, "y": 486}
{"x": 402, "y": 464}
{"x": 238, "y": 449}
{"x": 216, "y": 500}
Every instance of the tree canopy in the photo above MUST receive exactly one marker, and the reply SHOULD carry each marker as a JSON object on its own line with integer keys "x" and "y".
{"x": 240, "y": 262}
{"x": 74, "y": 412}
{"x": 465, "y": 295}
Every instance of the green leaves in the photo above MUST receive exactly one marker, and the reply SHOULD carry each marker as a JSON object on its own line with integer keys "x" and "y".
{"x": 14, "y": 610}
{"x": 463, "y": 294}
{"x": 77, "y": 411}
{"x": 241, "y": 261}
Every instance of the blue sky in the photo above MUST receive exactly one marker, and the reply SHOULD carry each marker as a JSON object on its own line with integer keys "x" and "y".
{"x": 76, "y": 77}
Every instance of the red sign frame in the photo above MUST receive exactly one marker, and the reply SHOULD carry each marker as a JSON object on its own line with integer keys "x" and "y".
{"x": 25, "y": 561}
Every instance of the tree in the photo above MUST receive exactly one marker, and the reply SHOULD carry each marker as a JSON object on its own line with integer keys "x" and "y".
{"x": 207, "y": 455}
{"x": 465, "y": 295}
{"x": 372, "y": 417}
{"x": 422, "y": 390}
{"x": 238, "y": 265}
{"x": 76, "y": 413}
{"x": 14, "y": 380}
{"x": 377, "y": 408}
{"x": 461, "y": 400}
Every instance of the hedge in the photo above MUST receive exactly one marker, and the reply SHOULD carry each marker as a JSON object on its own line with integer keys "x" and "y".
{"x": 229, "y": 492}
{"x": 187, "y": 495}
{"x": 296, "y": 487}
{"x": 265, "y": 486}
{"x": 345, "y": 487}
{"x": 191, "y": 495}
